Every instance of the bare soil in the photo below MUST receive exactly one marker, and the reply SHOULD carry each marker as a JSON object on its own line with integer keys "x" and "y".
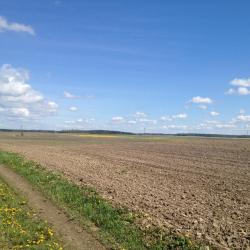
{"x": 196, "y": 186}
{"x": 73, "y": 235}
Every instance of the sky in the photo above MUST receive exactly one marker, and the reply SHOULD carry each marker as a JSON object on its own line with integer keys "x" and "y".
{"x": 136, "y": 65}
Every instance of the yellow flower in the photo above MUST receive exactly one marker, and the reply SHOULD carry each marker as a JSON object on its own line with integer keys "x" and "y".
{"x": 50, "y": 232}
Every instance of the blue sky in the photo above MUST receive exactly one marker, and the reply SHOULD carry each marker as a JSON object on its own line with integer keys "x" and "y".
{"x": 167, "y": 66}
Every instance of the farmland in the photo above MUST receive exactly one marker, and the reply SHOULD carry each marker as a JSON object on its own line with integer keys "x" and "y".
{"x": 196, "y": 186}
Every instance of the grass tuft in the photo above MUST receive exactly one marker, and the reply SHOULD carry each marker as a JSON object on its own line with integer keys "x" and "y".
{"x": 115, "y": 225}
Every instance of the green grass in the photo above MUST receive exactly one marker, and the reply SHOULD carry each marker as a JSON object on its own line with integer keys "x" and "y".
{"x": 19, "y": 228}
{"x": 116, "y": 226}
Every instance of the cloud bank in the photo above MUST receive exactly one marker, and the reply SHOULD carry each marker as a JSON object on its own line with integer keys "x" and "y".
{"x": 18, "y": 99}
{"x": 16, "y": 27}
{"x": 241, "y": 87}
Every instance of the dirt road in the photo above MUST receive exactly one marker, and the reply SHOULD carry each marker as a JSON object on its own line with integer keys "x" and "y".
{"x": 196, "y": 186}
{"x": 73, "y": 235}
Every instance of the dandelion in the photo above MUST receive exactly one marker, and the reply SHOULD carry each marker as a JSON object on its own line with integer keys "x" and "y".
{"x": 50, "y": 232}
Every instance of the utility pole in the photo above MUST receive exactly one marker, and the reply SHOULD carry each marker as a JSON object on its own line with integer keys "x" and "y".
{"x": 21, "y": 130}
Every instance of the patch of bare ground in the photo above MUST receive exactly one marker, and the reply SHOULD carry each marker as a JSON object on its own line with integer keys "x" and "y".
{"x": 196, "y": 186}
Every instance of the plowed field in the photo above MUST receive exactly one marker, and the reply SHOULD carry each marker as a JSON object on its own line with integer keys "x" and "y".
{"x": 197, "y": 186}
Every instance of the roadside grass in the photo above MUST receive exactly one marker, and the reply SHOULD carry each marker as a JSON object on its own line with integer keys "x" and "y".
{"x": 116, "y": 227}
{"x": 19, "y": 227}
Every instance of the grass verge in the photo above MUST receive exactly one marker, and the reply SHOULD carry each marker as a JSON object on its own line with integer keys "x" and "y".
{"x": 19, "y": 227}
{"x": 116, "y": 227}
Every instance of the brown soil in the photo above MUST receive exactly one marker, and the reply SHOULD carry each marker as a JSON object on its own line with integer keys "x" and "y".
{"x": 72, "y": 234}
{"x": 196, "y": 186}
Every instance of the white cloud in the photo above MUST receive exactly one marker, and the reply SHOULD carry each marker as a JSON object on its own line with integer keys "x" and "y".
{"x": 17, "y": 27}
{"x": 85, "y": 121}
{"x": 18, "y": 98}
{"x": 79, "y": 124}
{"x": 20, "y": 112}
{"x": 180, "y": 116}
{"x": 243, "y": 91}
{"x": 215, "y": 125}
{"x": 244, "y": 118}
{"x": 29, "y": 97}
{"x": 73, "y": 109}
{"x": 145, "y": 120}
{"x": 242, "y": 86}
{"x": 68, "y": 95}
{"x": 140, "y": 115}
{"x": 225, "y": 126}
{"x": 52, "y": 107}
{"x": 203, "y": 126}
{"x": 176, "y": 127}
{"x": 199, "y": 99}
{"x": 239, "y": 91}
{"x": 13, "y": 81}
{"x": 166, "y": 118}
{"x": 118, "y": 119}
{"x": 213, "y": 113}
{"x": 241, "y": 82}
{"x": 13, "y": 86}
